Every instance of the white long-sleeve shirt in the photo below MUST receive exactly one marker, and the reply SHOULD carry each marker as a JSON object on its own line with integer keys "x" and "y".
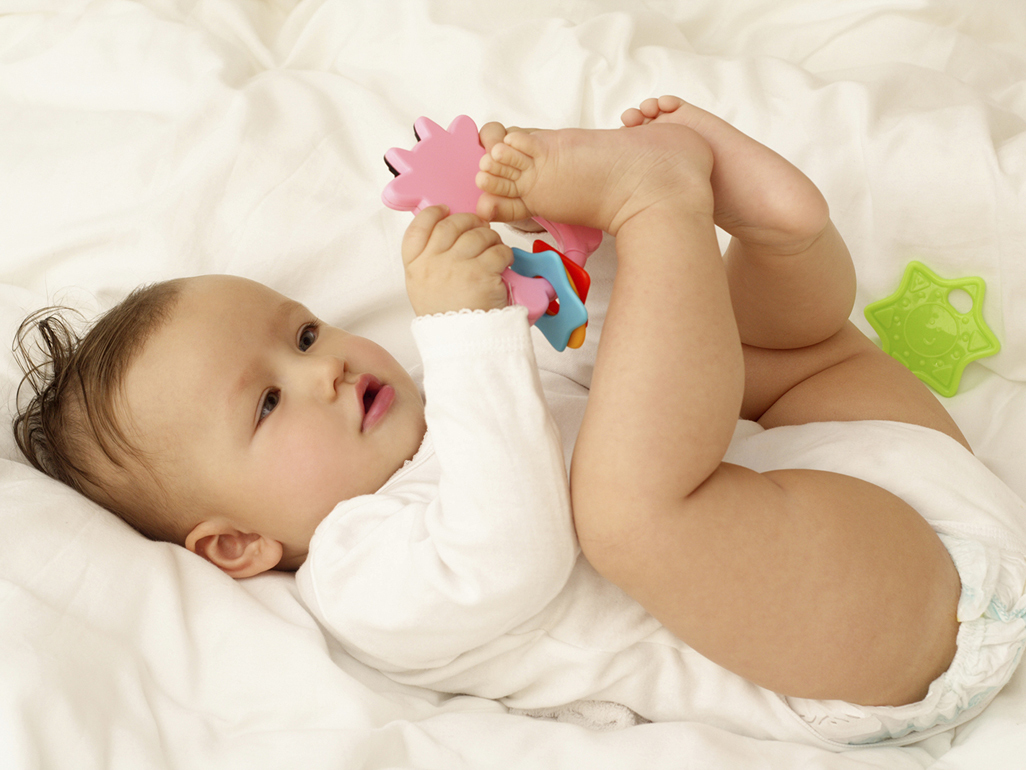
{"x": 474, "y": 535}
{"x": 462, "y": 573}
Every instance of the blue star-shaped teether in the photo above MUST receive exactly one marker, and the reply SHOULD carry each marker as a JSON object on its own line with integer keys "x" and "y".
{"x": 557, "y": 328}
{"x": 920, "y": 327}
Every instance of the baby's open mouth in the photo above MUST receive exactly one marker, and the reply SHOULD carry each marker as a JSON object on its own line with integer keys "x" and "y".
{"x": 373, "y": 387}
{"x": 375, "y": 397}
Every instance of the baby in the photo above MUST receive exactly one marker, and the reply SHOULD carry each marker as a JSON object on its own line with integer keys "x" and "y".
{"x": 434, "y": 538}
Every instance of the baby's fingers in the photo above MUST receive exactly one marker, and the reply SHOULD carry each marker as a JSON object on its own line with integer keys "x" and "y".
{"x": 420, "y": 230}
{"x": 474, "y": 241}
{"x": 496, "y": 258}
{"x": 485, "y": 246}
{"x": 432, "y": 232}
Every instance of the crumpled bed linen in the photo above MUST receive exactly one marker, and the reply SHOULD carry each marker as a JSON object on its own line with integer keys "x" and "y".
{"x": 146, "y": 139}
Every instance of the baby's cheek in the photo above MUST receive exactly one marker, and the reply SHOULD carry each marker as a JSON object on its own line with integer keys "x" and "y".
{"x": 313, "y": 466}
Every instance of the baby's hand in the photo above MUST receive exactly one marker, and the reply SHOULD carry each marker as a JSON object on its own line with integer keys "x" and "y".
{"x": 454, "y": 263}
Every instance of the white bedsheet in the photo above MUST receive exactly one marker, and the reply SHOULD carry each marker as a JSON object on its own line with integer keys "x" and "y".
{"x": 149, "y": 139}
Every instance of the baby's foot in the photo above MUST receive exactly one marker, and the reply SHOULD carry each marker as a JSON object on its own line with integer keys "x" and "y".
{"x": 760, "y": 196}
{"x": 596, "y": 178}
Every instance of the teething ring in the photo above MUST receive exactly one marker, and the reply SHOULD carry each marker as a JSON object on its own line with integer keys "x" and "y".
{"x": 441, "y": 169}
{"x": 580, "y": 282}
{"x": 919, "y": 327}
{"x": 548, "y": 264}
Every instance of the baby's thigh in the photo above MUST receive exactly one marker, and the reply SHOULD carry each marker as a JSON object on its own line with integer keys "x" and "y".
{"x": 811, "y": 584}
{"x": 844, "y": 378}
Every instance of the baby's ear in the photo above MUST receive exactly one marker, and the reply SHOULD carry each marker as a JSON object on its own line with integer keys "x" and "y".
{"x": 239, "y": 554}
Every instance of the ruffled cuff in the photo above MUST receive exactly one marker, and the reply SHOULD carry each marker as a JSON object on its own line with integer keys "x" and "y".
{"x": 472, "y": 332}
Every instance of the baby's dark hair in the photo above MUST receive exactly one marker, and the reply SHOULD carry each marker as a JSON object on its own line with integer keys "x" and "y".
{"x": 71, "y": 427}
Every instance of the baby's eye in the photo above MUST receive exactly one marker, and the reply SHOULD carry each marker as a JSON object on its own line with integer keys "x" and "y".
{"x": 269, "y": 402}
{"x": 307, "y": 337}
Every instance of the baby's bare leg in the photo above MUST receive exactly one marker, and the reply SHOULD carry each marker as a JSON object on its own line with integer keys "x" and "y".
{"x": 811, "y": 584}
{"x": 792, "y": 284}
{"x": 669, "y": 327}
{"x": 792, "y": 279}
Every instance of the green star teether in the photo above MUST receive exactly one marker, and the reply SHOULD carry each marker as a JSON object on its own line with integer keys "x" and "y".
{"x": 920, "y": 327}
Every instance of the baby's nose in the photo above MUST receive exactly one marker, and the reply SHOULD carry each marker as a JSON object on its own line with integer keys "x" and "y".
{"x": 329, "y": 373}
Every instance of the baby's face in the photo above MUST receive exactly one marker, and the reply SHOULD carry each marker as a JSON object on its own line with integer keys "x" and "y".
{"x": 264, "y": 416}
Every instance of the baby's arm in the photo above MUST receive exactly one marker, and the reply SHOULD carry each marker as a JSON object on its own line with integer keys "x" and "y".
{"x": 419, "y": 573}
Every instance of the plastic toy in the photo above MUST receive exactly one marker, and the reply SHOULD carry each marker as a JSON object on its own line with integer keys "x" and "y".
{"x": 550, "y": 282}
{"x": 920, "y": 327}
{"x": 440, "y": 168}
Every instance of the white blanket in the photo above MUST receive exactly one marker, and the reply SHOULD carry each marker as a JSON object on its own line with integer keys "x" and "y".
{"x": 146, "y": 139}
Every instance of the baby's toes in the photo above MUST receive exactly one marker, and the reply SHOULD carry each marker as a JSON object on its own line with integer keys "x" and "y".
{"x": 499, "y": 208}
{"x": 516, "y": 151}
{"x": 494, "y": 184}
{"x": 669, "y": 103}
{"x": 493, "y": 167}
{"x": 633, "y": 117}
{"x": 650, "y": 108}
